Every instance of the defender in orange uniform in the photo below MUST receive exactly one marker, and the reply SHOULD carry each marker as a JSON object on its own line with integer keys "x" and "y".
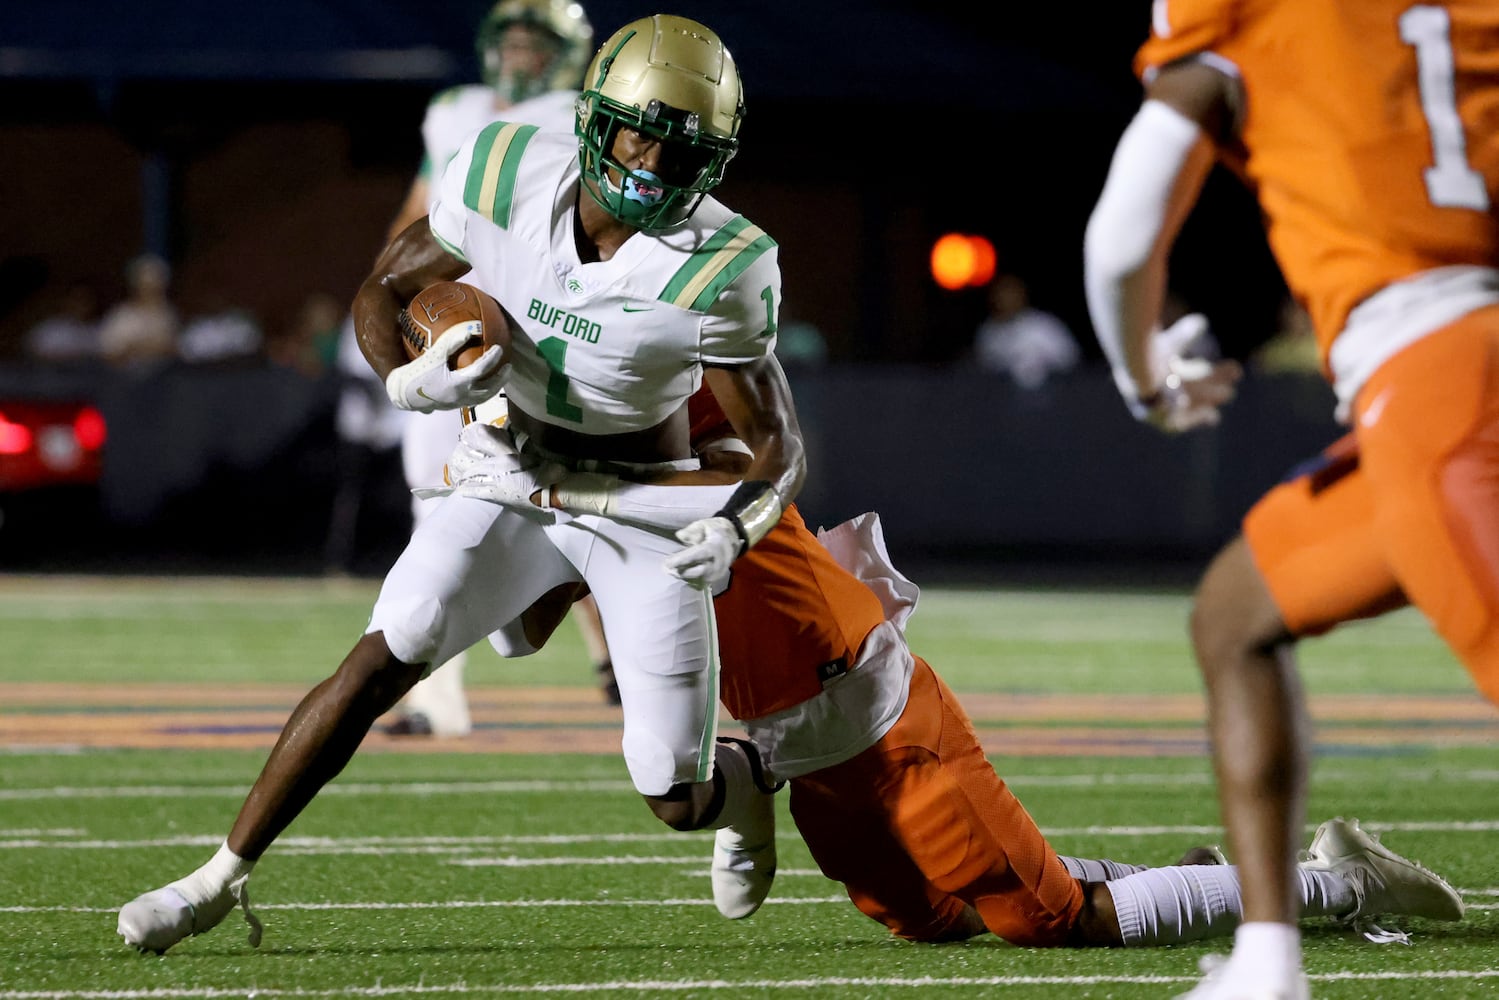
{"x": 891, "y": 789}
{"x": 1369, "y": 132}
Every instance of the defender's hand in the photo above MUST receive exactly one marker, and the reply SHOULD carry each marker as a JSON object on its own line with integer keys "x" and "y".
{"x": 712, "y": 545}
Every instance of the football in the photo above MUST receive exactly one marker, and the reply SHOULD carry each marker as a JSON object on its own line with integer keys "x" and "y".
{"x": 441, "y": 306}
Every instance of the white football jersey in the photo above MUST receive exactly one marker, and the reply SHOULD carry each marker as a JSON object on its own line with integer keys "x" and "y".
{"x": 609, "y": 346}
{"x": 459, "y": 112}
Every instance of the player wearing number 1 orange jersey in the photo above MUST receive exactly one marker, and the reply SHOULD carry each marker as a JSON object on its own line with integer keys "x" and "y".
{"x": 1369, "y": 132}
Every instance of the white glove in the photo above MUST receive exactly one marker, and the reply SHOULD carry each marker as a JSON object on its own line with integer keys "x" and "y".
{"x": 712, "y": 546}
{"x": 427, "y": 384}
{"x": 1187, "y": 391}
{"x": 486, "y": 466}
{"x": 477, "y": 443}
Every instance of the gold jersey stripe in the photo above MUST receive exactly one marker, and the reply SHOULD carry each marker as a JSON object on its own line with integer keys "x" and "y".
{"x": 721, "y": 259}
{"x": 490, "y": 186}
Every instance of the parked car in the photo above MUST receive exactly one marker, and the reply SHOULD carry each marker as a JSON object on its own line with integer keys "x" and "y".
{"x": 47, "y": 443}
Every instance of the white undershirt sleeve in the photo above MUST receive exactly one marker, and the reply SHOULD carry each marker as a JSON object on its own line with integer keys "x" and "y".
{"x": 1157, "y": 172}
{"x": 666, "y": 507}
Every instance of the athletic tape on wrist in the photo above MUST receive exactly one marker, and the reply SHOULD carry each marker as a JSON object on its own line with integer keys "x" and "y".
{"x": 584, "y": 493}
{"x": 753, "y": 509}
{"x": 731, "y": 445}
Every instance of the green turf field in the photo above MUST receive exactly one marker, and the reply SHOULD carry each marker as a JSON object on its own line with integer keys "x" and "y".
{"x": 476, "y": 873}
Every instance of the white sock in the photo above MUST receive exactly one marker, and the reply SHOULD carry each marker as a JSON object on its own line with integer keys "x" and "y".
{"x": 1179, "y": 903}
{"x": 214, "y": 878}
{"x": 1098, "y": 869}
{"x": 1272, "y": 949}
{"x": 731, "y": 760}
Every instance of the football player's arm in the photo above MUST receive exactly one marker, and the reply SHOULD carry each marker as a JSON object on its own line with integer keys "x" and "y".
{"x": 412, "y": 261}
{"x": 757, "y": 400}
{"x": 668, "y": 500}
{"x": 1156, "y": 175}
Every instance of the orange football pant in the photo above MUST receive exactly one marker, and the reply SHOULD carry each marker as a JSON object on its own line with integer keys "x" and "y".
{"x": 920, "y": 823}
{"x": 1406, "y": 507}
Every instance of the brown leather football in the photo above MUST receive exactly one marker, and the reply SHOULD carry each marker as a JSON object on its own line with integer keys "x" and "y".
{"x": 442, "y": 305}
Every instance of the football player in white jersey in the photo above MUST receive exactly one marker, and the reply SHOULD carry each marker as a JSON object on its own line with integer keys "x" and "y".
{"x": 532, "y": 53}
{"x": 628, "y": 285}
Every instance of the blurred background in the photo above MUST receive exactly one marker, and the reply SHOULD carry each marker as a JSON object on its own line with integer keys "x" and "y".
{"x": 238, "y": 165}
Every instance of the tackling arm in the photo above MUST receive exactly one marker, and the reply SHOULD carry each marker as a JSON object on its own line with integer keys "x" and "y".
{"x": 757, "y": 400}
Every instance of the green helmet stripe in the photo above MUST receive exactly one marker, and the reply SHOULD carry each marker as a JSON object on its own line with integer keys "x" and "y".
{"x": 722, "y": 258}
{"x": 490, "y": 187}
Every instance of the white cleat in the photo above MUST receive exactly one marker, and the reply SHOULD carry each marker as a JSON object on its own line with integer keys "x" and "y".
{"x": 744, "y": 853}
{"x": 1384, "y": 883}
{"x": 744, "y": 861}
{"x": 1223, "y": 979}
{"x": 162, "y": 917}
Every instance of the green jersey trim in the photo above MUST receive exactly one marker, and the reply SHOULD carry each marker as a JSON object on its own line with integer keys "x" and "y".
{"x": 490, "y": 187}
{"x": 723, "y": 257}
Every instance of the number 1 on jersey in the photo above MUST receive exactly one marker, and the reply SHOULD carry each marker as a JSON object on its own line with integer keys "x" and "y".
{"x": 1450, "y": 181}
{"x": 553, "y": 351}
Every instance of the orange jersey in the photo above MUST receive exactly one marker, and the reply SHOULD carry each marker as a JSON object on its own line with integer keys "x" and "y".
{"x": 792, "y": 618}
{"x": 1370, "y": 133}
{"x": 706, "y": 418}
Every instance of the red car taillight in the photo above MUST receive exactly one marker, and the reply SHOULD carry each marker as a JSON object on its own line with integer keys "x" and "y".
{"x": 89, "y": 429}
{"x": 15, "y": 439}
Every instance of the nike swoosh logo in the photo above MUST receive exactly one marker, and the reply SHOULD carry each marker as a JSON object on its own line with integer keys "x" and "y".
{"x": 423, "y": 393}
{"x": 1376, "y": 409}
{"x": 638, "y": 309}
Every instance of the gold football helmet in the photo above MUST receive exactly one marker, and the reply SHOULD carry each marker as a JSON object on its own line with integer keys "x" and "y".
{"x": 669, "y": 78}
{"x": 563, "y": 21}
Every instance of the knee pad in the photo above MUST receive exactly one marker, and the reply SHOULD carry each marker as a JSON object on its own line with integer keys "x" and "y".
{"x": 412, "y": 626}
{"x": 655, "y": 766}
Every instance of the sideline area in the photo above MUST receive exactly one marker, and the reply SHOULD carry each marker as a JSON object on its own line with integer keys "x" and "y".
{"x": 574, "y": 719}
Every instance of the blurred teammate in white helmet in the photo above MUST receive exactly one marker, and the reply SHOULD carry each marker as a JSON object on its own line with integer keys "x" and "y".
{"x": 532, "y": 54}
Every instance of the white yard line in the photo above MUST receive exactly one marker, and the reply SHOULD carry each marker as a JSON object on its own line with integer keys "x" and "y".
{"x": 383, "y": 989}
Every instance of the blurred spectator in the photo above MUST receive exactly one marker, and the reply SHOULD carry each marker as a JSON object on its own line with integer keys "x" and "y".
{"x": 141, "y": 331}
{"x": 1017, "y": 338}
{"x": 71, "y": 334}
{"x": 1293, "y": 348}
{"x": 369, "y": 440}
{"x": 310, "y": 344}
{"x": 219, "y": 332}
